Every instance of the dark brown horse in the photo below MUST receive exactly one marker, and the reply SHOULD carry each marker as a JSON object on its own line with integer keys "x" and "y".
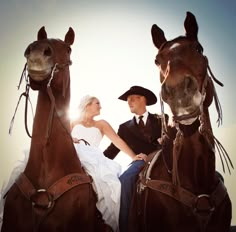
{"x": 53, "y": 193}
{"x": 179, "y": 189}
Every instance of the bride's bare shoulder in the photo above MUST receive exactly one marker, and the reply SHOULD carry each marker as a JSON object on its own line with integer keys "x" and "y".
{"x": 101, "y": 124}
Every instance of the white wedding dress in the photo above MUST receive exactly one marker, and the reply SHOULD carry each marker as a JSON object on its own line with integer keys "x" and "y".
{"x": 17, "y": 170}
{"x": 105, "y": 173}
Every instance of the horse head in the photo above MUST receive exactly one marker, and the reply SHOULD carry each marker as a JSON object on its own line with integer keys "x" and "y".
{"x": 48, "y": 57}
{"x": 185, "y": 84}
{"x": 47, "y": 65}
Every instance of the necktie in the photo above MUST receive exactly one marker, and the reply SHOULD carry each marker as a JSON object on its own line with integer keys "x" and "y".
{"x": 141, "y": 122}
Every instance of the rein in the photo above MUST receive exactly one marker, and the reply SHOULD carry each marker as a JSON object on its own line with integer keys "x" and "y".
{"x": 53, "y": 104}
{"x": 24, "y": 74}
{"x": 27, "y": 99}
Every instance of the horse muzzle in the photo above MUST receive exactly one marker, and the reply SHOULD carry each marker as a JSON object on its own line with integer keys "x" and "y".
{"x": 183, "y": 97}
{"x": 40, "y": 63}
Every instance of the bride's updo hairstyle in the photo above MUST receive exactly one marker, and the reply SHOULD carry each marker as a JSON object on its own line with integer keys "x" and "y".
{"x": 84, "y": 102}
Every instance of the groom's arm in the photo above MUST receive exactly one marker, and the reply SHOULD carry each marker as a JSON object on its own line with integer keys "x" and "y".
{"x": 111, "y": 151}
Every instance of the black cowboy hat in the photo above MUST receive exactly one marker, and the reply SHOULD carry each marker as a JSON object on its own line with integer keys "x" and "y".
{"x": 138, "y": 90}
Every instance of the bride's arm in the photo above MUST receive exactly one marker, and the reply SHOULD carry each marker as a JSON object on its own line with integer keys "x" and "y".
{"x": 119, "y": 142}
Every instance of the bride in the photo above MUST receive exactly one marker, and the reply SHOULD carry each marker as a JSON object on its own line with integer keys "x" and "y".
{"x": 87, "y": 134}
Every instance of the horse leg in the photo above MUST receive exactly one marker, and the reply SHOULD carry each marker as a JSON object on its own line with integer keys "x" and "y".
{"x": 13, "y": 218}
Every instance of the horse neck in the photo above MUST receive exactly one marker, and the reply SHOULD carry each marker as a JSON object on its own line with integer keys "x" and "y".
{"x": 196, "y": 162}
{"x": 53, "y": 157}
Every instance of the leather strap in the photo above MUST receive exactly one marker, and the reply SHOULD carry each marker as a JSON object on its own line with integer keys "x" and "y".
{"x": 184, "y": 196}
{"x": 57, "y": 189}
{"x": 151, "y": 159}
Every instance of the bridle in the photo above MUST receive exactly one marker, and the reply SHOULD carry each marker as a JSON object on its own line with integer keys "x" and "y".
{"x": 207, "y": 78}
{"x": 56, "y": 68}
{"x": 206, "y": 132}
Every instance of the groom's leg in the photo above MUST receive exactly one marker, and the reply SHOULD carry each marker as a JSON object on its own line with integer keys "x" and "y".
{"x": 128, "y": 183}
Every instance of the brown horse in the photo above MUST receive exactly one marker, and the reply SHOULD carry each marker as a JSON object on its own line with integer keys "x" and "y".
{"x": 53, "y": 193}
{"x": 179, "y": 189}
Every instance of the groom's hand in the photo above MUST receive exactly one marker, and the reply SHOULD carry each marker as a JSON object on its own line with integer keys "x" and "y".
{"x": 141, "y": 156}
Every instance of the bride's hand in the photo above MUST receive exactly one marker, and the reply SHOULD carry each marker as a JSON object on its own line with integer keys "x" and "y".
{"x": 75, "y": 140}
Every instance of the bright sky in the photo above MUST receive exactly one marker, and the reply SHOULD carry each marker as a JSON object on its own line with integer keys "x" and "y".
{"x": 112, "y": 51}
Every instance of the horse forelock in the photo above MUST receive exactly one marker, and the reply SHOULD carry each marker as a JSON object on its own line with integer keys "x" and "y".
{"x": 179, "y": 40}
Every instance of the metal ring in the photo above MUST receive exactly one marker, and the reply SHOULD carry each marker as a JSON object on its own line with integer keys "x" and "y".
{"x": 50, "y": 199}
{"x": 199, "y": 197}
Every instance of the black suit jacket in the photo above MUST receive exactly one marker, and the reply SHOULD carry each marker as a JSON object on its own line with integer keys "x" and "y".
{"x": 137, "y": 140}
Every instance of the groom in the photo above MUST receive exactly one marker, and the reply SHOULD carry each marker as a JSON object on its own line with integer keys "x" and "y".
{"x": 141, "y": 134}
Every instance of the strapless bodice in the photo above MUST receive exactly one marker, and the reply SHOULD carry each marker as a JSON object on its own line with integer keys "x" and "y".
{"x": 91, "y": 134}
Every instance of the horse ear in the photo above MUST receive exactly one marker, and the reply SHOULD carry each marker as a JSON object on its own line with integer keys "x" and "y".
{"x": 70, "y": 36}
{"x": 158, "y": 36}
{"x": 42, "y": 33}
{"x": 191, "y": 27}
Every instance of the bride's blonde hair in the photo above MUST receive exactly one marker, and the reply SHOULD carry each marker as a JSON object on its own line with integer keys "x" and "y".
{"x": 84, "y": 102}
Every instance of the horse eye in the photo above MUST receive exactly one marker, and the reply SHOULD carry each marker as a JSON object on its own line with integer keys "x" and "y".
{"x": 199, "y": 48}
{"x": 69, "y": 50}
{"x": 157, "y": 61}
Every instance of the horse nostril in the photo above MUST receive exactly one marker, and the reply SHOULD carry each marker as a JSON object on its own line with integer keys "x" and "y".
{"x": 48, "y": 51}
{"x": 189, "y": 84}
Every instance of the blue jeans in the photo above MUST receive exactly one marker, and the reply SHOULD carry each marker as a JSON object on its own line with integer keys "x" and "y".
{"x": 128, "y": 184}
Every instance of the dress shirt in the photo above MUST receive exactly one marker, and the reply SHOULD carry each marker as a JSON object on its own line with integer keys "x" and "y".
{"x": 145, "y": 115}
